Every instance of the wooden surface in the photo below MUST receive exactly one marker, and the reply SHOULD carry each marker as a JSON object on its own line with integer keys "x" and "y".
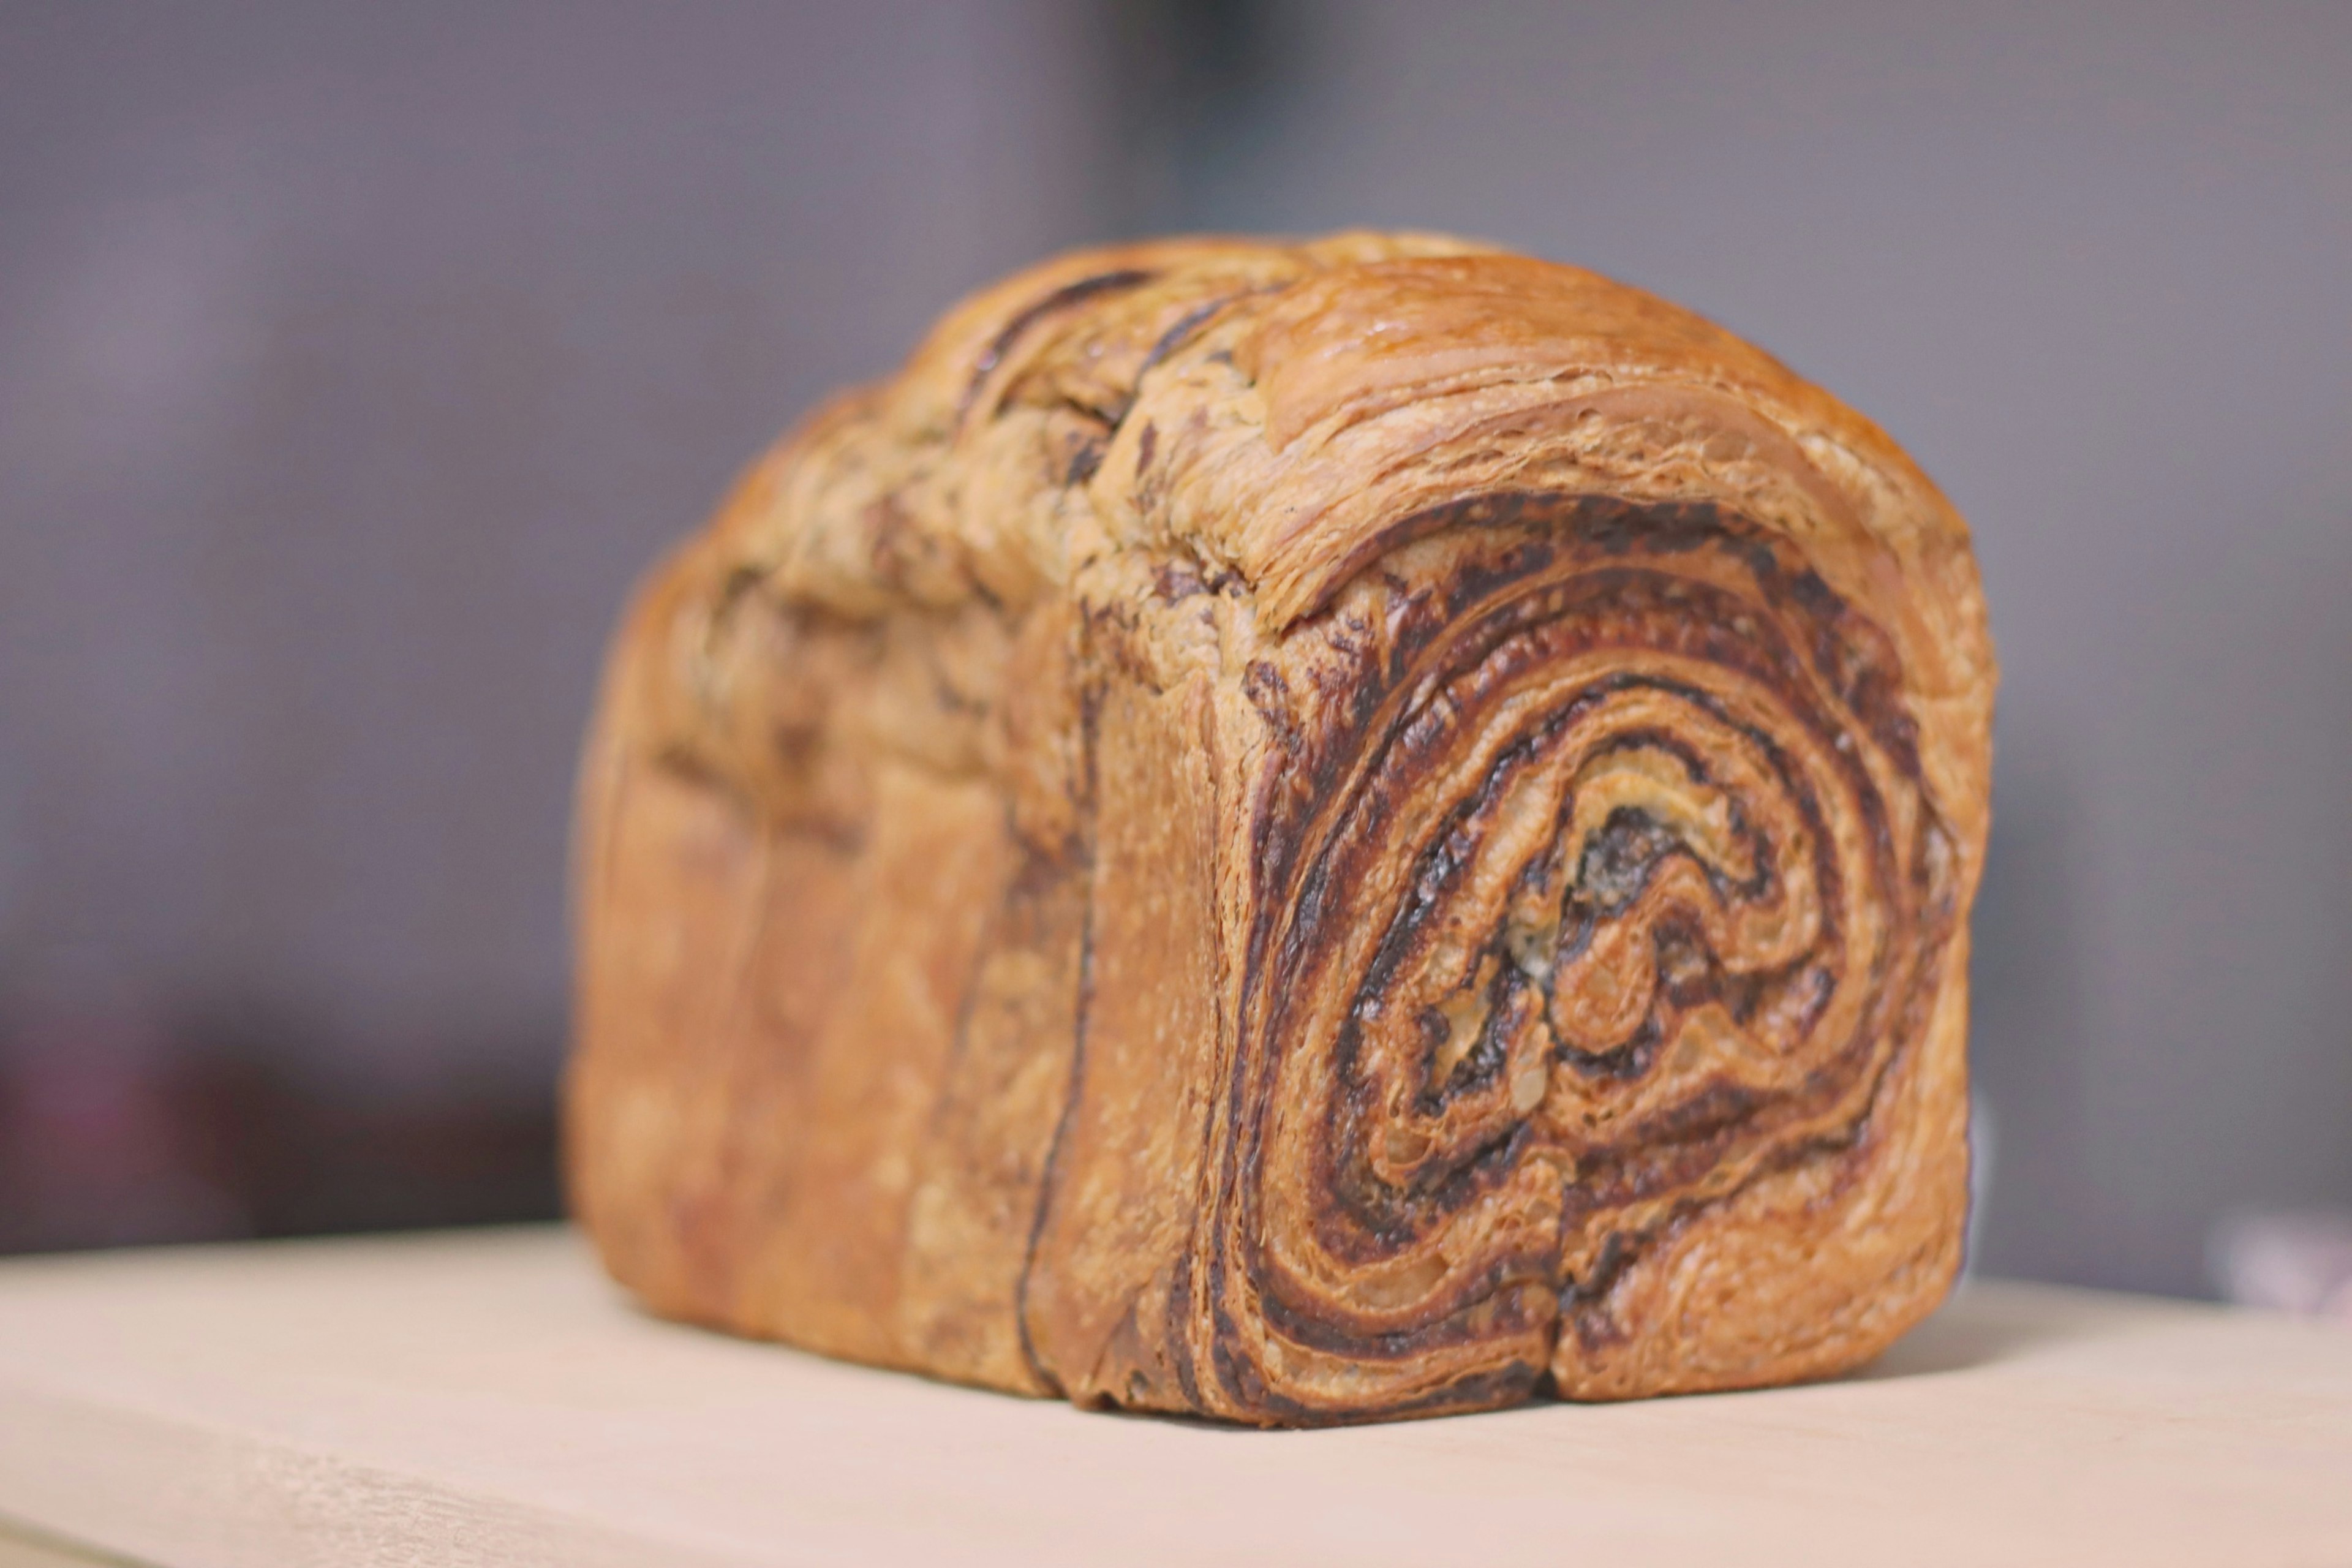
{"x": 488, "y": 1399}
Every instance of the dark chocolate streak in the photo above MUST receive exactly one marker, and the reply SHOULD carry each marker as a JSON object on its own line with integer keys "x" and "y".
{"x": 1052, "y": 304}
{"x": 1090, "y": 705}
{"x": 1555, "y": 576}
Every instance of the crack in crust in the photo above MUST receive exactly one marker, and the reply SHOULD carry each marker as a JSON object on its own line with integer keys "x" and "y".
{"x": 1298, "y": 834}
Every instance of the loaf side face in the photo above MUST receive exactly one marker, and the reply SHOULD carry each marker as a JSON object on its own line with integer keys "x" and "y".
{"x": 1299, "y": 833}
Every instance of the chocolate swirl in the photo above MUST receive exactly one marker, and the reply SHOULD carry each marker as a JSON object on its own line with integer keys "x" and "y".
{"x": 1620, "y": 892}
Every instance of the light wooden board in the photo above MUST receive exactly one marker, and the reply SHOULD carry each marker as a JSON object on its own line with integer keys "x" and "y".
{"x": 488, "y": 1399}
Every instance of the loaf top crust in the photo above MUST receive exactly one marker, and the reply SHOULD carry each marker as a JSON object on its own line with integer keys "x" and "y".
{"x": 1287, "y": 413}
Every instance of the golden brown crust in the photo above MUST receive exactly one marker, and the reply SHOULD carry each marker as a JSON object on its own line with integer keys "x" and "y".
{"x": 1298, "y": 833}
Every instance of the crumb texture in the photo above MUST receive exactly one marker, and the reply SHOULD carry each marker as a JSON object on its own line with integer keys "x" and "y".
{"x": 1295, "y": 833}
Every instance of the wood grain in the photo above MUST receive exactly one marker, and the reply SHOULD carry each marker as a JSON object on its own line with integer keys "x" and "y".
{"x": 488, "y": 1399}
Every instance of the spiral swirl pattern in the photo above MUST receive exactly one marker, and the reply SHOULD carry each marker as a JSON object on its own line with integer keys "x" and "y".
{"x": 1624, "y": 892}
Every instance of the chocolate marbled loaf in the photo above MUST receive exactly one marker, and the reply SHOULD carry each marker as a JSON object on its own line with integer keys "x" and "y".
{"x": 1301, "y": 833}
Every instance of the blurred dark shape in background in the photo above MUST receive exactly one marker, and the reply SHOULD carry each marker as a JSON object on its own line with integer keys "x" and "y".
{"x": 121, "y": 1126}
{"x": 353, "y": 360}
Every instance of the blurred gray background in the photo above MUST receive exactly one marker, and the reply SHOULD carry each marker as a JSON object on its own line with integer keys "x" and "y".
{"x": 353, "y": 359}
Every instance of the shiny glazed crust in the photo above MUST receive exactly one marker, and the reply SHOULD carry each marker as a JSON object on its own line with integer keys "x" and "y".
{"x": 1299, "y": 833}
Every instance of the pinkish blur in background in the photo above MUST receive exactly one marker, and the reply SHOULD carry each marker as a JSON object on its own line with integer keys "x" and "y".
{"x": 354, "y": 358}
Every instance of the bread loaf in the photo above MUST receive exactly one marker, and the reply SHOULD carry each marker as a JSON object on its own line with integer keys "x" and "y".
{"x": 1297, "y": 833}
